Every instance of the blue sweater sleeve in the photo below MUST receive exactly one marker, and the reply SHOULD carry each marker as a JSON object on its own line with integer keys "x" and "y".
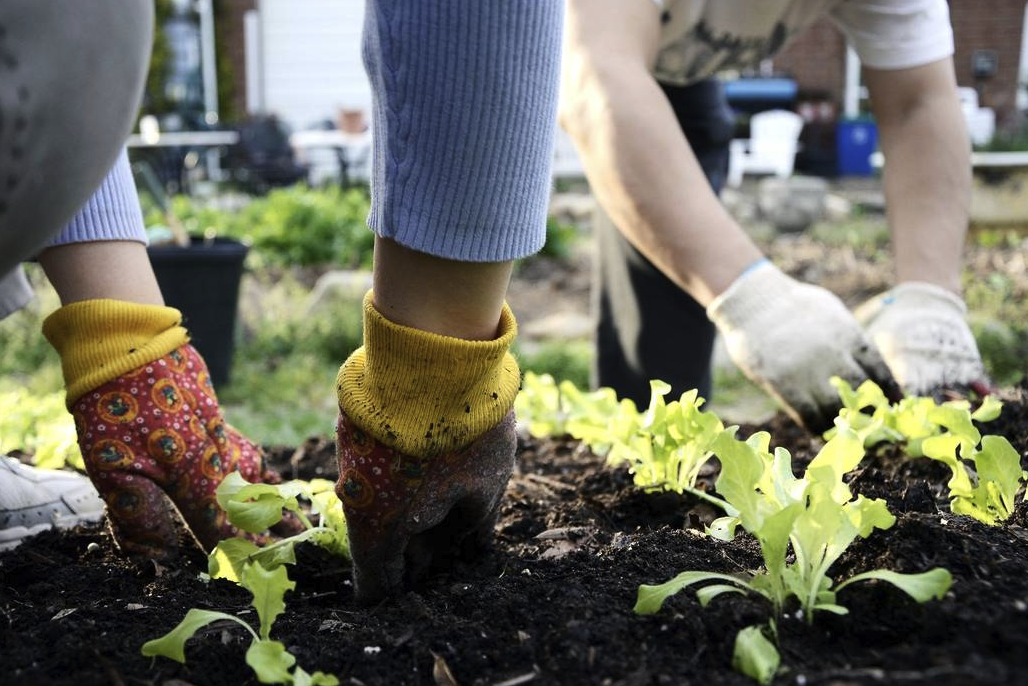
{"x": 112, "y": 214}
{"x": 465, "y": 99}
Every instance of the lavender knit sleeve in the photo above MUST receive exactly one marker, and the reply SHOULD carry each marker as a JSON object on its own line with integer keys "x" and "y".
{"x": 112, "y": 214}
{"x": 465, "y": 99}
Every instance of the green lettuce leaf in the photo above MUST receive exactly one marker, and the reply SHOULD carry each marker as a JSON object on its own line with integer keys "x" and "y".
{"x": 650, "y": 598}
{"x": 172, "y": 644}
{"x": 268, "y": 588}
{"x": 755, "y": 656}
{"x": 934, "y": 583}
{"x": 270, "y": 661}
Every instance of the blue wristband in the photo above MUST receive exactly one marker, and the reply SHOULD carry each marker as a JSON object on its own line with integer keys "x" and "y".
{"x": 752, "y": 267}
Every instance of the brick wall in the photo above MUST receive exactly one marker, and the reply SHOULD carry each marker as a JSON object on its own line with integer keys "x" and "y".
{"x": 997, "y": 29}
{"x": 232, "y": 44}
{"x": 817, "y": 58}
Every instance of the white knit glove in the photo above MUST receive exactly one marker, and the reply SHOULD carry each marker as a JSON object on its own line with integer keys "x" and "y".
{"x": 790, "y": 338}
{"x": 920, "y": 330}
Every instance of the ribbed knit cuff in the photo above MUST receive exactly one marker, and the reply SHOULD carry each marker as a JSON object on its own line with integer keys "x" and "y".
{"x": 101, "y": 340}
{"x": 922, "y": 290}
{"x": 464, "y": 120}
{"x": 426, "y": 394}
{"x": 757, "y": 290}
{"x": 111, "y": 214}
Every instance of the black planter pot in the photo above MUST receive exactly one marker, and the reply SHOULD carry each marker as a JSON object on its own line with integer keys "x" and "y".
{"x": 202, "y": 281}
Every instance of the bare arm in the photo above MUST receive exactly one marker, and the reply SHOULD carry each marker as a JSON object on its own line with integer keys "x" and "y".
{"x": 638, "y": 162}
{"x": 928, "y": 171}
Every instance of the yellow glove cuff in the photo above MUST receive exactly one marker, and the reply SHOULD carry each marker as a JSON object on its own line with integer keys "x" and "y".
{"x": 426, "y": 394}
{"x": 100, "y": 340}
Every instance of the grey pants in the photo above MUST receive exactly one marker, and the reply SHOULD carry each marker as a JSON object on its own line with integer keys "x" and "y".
{"x": 647, "y": 327}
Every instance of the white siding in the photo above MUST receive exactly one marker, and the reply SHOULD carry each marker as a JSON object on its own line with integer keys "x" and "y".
{"x": 311, "y": 60}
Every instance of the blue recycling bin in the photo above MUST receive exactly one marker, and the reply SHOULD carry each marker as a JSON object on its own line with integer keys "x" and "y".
{"x": 856, "y": 140}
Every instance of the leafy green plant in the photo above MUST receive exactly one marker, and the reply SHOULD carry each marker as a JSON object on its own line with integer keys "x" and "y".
{"x": 945, "y": 433}
{"x": 41, "y": 425}
{"x": 257, "y": 507}
{"x": 665, "y": 446}
{"x": 254, "y": 508}
{"x": 268, "y": 658}
{"x": 289, "y": 226}
{"x": 816, "y": 515}
{"x": 303, "y": 226}
{"x": 989, "y": 495}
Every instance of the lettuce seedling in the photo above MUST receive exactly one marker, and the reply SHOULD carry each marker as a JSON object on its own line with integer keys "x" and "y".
{"x": 945, "y": 433}
{"x": 816, "y": 514}
{"x": 596, "y": 418}
{"x": 256, "y": 507}
{"x": 664, "y": 447}
{"x": 269, "y": 659}
{"x": 539, "y": 406}
{"x": 990, "y": 494}
{"x": 909, "y": 421}
{"x": 671, "y": 441}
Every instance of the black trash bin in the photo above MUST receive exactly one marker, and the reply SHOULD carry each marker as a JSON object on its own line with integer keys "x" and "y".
{"x": 202, "y": 281}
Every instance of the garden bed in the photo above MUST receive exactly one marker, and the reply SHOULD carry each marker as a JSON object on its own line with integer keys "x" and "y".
{"x": 552, "y": 604}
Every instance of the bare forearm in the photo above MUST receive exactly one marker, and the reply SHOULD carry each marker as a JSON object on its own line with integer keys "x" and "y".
{"x": 647, "y": 179}
{"x": 927, "y": 187}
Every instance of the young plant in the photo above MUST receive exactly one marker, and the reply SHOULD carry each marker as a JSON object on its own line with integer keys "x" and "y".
{"x": 990, "y": 494}
{"x": 268, "y": 658}
{"x": 665, "y": 446}
{"x": 945, "y": 433}
{"x": 257, "y": 507}
{"x": 41, "y": 425}
{"x": 816, "y": 514}
{"x": 909, "y": 421}
{"x": 670, "y": 443}
{"x": 549, "y": 409}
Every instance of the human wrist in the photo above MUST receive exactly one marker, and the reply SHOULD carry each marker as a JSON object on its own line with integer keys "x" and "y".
{"x": 922, "y": 293}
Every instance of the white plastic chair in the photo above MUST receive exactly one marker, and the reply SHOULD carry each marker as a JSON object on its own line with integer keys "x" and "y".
{"x": 981, "y": 121}
{"x": 771, "y": 148}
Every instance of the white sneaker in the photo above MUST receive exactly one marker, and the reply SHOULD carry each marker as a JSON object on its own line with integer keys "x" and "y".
{"x": 33, "y": 500}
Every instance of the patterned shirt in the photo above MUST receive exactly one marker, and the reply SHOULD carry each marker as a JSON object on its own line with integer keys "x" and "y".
{"x": 702, "y": 37}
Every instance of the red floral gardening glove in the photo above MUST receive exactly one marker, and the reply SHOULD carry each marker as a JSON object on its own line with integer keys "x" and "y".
{"x": 158, "y": 431}
{"x": 426, "y": 447}
{"x": 406, "y": 514}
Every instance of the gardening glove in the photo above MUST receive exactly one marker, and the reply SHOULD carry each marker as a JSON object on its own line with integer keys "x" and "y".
{"x": 790, "y": 338}
{"x": 921, "y": 332}
{"x": 426, "y": 442}
{"x": 148, "y": 422}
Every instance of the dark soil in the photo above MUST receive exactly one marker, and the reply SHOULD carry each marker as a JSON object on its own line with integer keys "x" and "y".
{"x": 552, "y": 604}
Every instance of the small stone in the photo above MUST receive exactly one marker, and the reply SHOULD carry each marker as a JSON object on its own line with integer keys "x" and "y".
{"x": 526, "y": 571}
{"x": 1020, "y": 605}
{"x": 93, "y": 547}
{"x": 372, "y": 650}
